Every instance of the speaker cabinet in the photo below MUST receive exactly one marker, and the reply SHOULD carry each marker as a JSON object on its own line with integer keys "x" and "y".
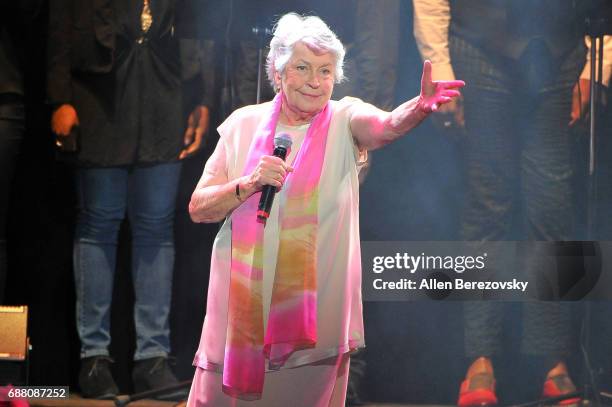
{"x": 14, "y": 345}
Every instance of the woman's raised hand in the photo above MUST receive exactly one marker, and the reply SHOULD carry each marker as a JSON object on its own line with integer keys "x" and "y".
{"x": 436, "y": 93}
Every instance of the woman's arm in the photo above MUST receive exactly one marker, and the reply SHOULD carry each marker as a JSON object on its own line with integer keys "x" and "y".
{"x": 374, "y": 128}
{"x": 212, "y": 203}
{"x": 215, "y": 197}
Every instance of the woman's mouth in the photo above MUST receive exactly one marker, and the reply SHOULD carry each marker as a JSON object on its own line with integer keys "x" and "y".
{"x": 309, "y": 96}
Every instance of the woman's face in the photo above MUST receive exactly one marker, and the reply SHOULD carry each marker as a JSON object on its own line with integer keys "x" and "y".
{"x": 307, "y": 82}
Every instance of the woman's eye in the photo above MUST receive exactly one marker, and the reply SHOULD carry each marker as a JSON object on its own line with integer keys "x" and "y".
{"x": 301, "y": 68}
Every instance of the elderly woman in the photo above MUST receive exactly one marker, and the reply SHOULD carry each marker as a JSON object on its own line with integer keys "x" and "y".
{"x": 284, "y": 301}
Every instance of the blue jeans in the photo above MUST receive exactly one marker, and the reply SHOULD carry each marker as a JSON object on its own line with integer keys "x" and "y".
{"x": 149, "y": 195}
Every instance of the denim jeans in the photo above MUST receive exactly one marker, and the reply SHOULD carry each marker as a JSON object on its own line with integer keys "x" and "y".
{"x": 12, "y": 127}
{"x": 148, "y": 194}
{"x": 519, "y": 171}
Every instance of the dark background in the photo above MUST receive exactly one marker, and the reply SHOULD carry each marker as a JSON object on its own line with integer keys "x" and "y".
{"x": 413, "y": 192}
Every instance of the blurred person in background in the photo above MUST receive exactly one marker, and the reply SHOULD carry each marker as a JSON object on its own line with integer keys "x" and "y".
{"x": 114, "y": 77}
{"x": 15, "y": 19}
{"x": 522, "y": 59}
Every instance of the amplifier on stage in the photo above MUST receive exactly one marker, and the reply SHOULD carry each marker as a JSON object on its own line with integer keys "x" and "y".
{"x": 14, "y": 345}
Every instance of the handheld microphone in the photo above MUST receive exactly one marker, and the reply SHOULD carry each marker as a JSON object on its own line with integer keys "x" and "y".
{"x": 282, "y": 144}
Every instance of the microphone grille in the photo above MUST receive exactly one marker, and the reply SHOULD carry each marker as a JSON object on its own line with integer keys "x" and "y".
{"x": 283, "y": 140}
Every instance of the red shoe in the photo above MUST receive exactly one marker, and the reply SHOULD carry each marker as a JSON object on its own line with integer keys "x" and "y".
{"x": 559, "y": 385}
{"x": 478, "y": 390}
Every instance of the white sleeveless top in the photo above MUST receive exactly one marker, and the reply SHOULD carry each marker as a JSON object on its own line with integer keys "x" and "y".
{"x": 339, "y": 309}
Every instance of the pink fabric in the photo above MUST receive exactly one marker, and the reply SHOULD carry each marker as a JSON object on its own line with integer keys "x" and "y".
{"x": 292, "y": 323}
{"x": 317, "y": 385}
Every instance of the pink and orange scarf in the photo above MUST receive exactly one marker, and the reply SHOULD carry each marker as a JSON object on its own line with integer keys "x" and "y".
{"x": 292, "y": 322}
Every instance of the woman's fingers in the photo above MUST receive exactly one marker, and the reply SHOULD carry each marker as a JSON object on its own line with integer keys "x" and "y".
{"x": 451, "y": 84}
{"x": 271, "y": 181}
{"x": 274, "y": 175}
{"x": 271, "y": 171}
{"x": 426, "y": 76}
{"x": 451, "y": 93}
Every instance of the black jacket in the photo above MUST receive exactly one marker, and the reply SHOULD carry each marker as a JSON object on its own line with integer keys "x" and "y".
{"x": 126, "y": 86}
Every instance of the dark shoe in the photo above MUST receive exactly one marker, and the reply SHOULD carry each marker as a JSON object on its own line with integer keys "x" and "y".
{"x": 479, "y": 390}
{"x": 355, "y": 381}
{"x": 95, "y": 378}
{"x": 560, "y": 385}
{"x": 154, "y": 374}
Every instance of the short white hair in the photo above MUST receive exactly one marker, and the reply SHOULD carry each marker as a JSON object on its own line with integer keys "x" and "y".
{"x": 310, "y": 30}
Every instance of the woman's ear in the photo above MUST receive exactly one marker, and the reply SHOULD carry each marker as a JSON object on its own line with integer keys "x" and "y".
{"x": 277, "y": 81}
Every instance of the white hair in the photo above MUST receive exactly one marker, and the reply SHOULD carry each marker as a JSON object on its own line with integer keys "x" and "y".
{"x": 310, "y": 30}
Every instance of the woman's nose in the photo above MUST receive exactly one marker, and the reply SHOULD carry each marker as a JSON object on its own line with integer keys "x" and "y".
{"x": 313, "y": 81}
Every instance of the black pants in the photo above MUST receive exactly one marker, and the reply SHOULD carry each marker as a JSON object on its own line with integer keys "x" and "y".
{"x": 12, "y": 117}
{"x": 519, "y": 174}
